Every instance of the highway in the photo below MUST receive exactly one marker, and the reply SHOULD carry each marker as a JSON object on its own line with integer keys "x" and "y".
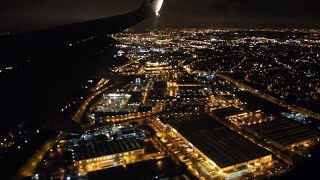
{"x": 30, "y": 166}
{"x": 260, "y": 94}
{"x": 78, "y": 115}
{"x": 269, "y": 98}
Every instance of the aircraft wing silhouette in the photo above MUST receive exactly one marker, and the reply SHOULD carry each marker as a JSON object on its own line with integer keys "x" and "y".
{"x": 40, "y": 69}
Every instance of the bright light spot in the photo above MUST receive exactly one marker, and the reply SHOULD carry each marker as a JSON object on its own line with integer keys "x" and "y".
{"x": 157, "y": 4}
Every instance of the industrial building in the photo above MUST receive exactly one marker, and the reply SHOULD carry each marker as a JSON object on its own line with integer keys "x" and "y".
{"x": 285, "y": 133}
{"x": 225, "y": 152}
{"x": 240, "y": 117}
{"x": 94, "y": 155}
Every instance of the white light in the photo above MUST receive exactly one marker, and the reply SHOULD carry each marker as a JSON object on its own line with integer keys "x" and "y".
{"x": 157, "y": 4}
{"x": 115, "y": 95}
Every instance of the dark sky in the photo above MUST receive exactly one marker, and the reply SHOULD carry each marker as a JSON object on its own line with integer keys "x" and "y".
{"x": 20, "y": 15}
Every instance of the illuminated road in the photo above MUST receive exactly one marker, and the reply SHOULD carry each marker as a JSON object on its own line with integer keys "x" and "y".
{"x": 29, "y": 167}
{"x": 78, "y": 115}
{"x": 260, "y": 94}
{"x": 270, "y": 98}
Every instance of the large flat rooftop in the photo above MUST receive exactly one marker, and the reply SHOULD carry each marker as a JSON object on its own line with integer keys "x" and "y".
{"x": 285, "y": 131}
{"x": 143, "y": 170}
{"x": 228, "y": 111}
{"x": 217, "y": 142}
{"x": 96, "y": 148}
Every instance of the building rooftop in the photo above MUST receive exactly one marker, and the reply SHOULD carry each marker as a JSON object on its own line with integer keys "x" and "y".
{"x": 135, "y": 98}
{"x": 285, "y": 131}
{"x": 221, "y": 145}
{"x": 96, "y": 148}
{"x": 229, "y": 111}
{"x": 160, "y": 85}
{"x": 157, "y": 94}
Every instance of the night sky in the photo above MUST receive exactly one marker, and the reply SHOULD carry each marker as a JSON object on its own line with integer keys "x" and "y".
{"x": 24, "y": 15}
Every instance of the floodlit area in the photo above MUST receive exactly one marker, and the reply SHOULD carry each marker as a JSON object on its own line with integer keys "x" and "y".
{"x": 114, "y": 102}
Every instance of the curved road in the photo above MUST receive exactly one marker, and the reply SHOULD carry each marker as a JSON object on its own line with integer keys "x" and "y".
{"x": 29, "y": 167}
